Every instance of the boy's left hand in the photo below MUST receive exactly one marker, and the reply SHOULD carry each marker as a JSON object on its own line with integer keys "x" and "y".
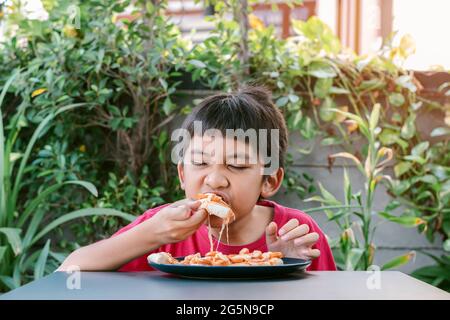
{"x": 293, "y": 241}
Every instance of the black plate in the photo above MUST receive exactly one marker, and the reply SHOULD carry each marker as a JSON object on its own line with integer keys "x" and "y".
{"x": 197, "y": 271}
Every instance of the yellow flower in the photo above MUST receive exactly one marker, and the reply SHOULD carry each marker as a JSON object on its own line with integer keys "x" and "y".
{"x": 255, "y": 22}
{"x": 351, "y": 125}
{"x": 82, "y": 148}
{"x": 37, "y": 92}
{"x": 339, "y": 116}
{"x": 70, "y": 31}
{"x": 407, "y": 46}
{"x": 419, "y": 221}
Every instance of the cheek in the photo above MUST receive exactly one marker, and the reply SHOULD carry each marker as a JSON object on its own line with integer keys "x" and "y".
{"x": 246, "y": 194}
{"x": 192, "y": 181}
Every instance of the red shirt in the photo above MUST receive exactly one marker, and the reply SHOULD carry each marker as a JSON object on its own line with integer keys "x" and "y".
{"x": 199, "y": 241}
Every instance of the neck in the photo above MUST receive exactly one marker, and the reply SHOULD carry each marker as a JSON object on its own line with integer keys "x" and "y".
{"x": 247, "y": 228}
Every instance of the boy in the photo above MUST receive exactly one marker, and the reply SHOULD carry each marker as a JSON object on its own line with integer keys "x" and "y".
{"x": 232, "y": 168}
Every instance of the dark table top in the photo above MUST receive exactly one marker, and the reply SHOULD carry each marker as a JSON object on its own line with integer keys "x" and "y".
{"x": 160, "y": 286}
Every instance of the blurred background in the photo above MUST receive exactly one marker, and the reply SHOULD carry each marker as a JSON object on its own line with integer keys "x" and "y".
{"x": 91, "y": 90}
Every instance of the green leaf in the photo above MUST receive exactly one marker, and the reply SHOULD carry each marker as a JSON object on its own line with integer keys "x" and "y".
{"x": 293, "y": 98}
{"x": 326, "y": 111}
{"x": 431, "y": 272}
{"x": 163, "y": 83}
{"x": 168, "y": 106}
{"x": 417, "y": 159}
{"x": 420, "y": 148}
{"x": 13, "y": 236}
{"x": 353, "y": 258}
{"x": 42, "y": 261}
{"x": 281, "y": 102}
{"x": 445, "y": 246}
{"x": 388, "y": 137}
{"x": 370, "y": 85}
{"x": 409, "y": 128}
{"x": 328, "y": 196}
{"x": 396, "y": 99}
{"x": 150, "y": 7}
{"x": 399, "y": 261}
{"x": 336, "y": 90}
{"x": 331, "y": 141}
{"x": 428, "y": 178}
{"x": 2, "y": 252}
{"x": 41, "y": 129}
{"x": 315, "y": 198}
{"x": 197, "y": 63}
{"x": 437, "y": 132}
{"x": 374, "y": 116}
{"x": 322, "y": 87}
{"x": 401, "y": 168}
{"x": 14, "y": 156}
{"x": 9, "y": 282}
{"x": 407, "y": 221}
{"x": 79, "y": 214}
{"x": 50, "y": 190}
{"x": 406, "y": 82}
{"x": 347, "y": 188}
{"x": 321, "y": 70}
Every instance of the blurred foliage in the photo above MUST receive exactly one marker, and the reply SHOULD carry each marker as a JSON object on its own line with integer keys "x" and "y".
{"x": 128, "y": 69}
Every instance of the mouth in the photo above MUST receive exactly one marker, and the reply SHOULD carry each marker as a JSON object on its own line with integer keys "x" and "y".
{"x": 224, "y": 196}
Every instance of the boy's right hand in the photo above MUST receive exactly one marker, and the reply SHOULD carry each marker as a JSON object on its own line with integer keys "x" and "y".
{"x": 177, "y": 221}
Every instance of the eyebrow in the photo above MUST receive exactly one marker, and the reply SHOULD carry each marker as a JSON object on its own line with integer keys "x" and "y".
{"x": 201, "y": 153}
{"x": 239, "y": 156}
{"x": 232, "y": 156}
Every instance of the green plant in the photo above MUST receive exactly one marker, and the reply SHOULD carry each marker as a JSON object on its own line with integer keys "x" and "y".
{"x": 439, "y": 274}
{"x": 24, "y": 226}
{"x": 127, "y": 73}
{"x": 350, "y": 252}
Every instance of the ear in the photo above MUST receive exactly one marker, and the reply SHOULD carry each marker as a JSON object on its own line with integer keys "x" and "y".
{"x": 180, "y": 169}
{"x": 272, "y": 183}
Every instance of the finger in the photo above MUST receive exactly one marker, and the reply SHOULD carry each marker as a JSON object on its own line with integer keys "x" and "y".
{"x": 179, "y": 213}
{"x": 193, "y": 205}
{"x": 197, "y": 218}
{"x": 296, "y": 232}
{"x": 181, "y": 202}
{"x": 307, "y": 240}
{"x": 271, "y": 233}
{"x": 291, "y": 224}
{"x": 313, "y": 253}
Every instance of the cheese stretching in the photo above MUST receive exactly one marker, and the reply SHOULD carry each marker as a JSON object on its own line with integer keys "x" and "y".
{"x": 214, "y": 205}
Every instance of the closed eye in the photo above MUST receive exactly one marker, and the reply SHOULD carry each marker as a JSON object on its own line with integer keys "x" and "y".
{"x": 236, "y": 167}
{"x": 199, "y": 164}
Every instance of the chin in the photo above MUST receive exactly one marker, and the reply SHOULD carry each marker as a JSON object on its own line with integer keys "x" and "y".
{"x": 216, "y": 222}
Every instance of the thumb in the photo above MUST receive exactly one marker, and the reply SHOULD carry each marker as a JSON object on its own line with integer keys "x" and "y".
{"x": 271, "y": 233}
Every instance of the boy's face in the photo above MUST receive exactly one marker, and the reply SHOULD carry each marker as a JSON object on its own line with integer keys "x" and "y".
{"x": 228, "y": 167}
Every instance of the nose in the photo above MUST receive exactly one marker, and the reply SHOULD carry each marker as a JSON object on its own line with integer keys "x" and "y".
{"x": 215, "y": 180}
